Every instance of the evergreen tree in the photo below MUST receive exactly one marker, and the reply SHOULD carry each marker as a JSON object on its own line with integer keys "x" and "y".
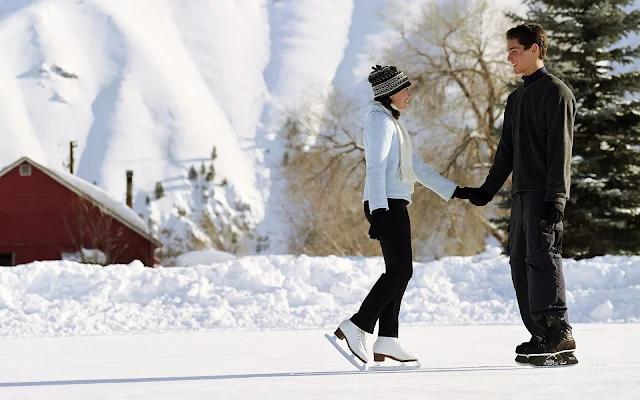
{"x": 159, "y": 190}
{"x": 203, "y": 169}
{"x": 585, "y": 52}
{"x": 193, "y": 174}
{"x": 211, "y": 174}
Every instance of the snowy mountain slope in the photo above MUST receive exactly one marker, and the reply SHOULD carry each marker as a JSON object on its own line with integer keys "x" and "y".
{"x": 204, "y": 214}
{"x": 366, "y": 20}
{"x": 154, "y": 85}
{"x": 308, "y": 39}
{"x": 151, "y": 92}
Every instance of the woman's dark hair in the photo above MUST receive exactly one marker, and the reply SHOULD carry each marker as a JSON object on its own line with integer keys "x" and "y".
{"x": 386, "y": 102}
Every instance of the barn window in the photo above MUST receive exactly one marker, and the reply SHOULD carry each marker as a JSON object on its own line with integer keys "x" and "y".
{"x": 25, "y": 170}
{"x": 7, "y": 259}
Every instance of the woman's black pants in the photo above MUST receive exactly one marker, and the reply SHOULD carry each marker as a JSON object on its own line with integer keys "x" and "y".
{"x": 383, "y": 301}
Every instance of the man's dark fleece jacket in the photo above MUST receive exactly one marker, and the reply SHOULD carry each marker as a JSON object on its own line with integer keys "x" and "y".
{"x": 537, "y": 137}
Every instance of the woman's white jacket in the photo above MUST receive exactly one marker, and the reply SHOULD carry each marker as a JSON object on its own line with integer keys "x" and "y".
{"x": 382, "y": 153}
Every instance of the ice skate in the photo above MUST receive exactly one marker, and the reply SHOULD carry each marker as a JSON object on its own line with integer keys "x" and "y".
{"x": 556, "y": 347}
{"x": 390, "y": 348}
{"x": 356, "y": 342}
{"x": 563, "y": 359}
{"x": 524, "y": 349}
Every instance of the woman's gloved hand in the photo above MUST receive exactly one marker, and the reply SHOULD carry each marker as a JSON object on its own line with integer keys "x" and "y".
{"x": 378, "y": 223}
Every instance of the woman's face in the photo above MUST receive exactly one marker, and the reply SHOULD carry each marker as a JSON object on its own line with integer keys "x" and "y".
{"x": 401, "y": 99}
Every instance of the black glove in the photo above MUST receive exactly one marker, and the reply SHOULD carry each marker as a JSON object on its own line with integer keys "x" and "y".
{"x": 378, "y": 223}
{"x": 553, "y": 213}
{"x": 477, "y": 196}
{"x": 462, "y": 193}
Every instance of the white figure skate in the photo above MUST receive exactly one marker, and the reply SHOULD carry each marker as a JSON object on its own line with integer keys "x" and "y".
{"x": 356, "y": 342}
{"x": 390, "y": 347}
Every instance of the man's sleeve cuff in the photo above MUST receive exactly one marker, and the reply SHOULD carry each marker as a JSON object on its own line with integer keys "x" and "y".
{"x": 489, "y": 191}
{"x": 556, "y": 197}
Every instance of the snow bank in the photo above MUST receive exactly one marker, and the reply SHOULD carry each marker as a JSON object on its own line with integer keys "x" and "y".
{"x": 203, "y": 257}
{"x": 285, "y": 292}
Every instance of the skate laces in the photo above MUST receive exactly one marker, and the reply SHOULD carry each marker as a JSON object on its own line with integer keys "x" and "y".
{"x": 554, "y": 333}
{"x": 548, "y": 336}
{"x": 362, "y": 338}
{"x": 399, "y": 346}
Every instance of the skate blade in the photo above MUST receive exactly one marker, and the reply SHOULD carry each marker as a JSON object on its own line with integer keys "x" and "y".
{"x": 546, "y": 354}
{"x": 333, "y": 339}
{"x": 563, "y": 359}
{"x": 403, "y": 366}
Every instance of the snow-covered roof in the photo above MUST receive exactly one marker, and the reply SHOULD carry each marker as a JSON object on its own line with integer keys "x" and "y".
{"x": 111, "y": 206}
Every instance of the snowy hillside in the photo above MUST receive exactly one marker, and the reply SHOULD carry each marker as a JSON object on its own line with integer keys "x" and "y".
{"x": 154, "y": 85}
{"x": 203, "y": 214}
{"x": 285, "y": 292}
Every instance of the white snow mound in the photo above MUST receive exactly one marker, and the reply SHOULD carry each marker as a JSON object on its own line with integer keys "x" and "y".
{"x": 285, "y": 292}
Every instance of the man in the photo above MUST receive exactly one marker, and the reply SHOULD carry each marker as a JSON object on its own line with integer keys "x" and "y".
{"x": 537, "y": 137}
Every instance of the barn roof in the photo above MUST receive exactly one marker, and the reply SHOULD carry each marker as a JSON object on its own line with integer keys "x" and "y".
{"x": 111, "y": 206}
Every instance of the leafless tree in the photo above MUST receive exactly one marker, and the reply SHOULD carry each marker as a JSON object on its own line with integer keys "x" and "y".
{"x": 90, "y": 226}
{"x": 455, "y": 59}
{"x": 454, "y": 53}
{"x": 325, "y": 168}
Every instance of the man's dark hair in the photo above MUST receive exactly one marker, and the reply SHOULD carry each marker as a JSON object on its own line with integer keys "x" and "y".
{"x": 528, "y": 34}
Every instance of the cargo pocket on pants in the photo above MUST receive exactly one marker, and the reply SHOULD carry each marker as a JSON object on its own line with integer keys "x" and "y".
{"x": 551, "y": 237}
{"x": 559, "y": 234}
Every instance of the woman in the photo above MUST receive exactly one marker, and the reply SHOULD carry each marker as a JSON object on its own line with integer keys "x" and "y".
{"x": 392, "y": 167}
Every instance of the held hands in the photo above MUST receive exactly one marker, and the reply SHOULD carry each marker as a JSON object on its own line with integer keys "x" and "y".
{"x": 553, "y": 211}
{"x": 477, "y": 196}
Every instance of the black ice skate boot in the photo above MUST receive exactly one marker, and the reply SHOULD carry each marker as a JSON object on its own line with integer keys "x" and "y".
{"x": 557, "y": 345}
{"x": 524, "y": 349}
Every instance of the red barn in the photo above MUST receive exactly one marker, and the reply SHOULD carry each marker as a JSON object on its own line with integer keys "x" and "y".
{"x": 46, "y": 214}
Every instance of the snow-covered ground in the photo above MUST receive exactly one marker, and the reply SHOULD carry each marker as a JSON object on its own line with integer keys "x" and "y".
{"x": 252, "y": 327}
{"x": 459, "y": 362}
{"x": 61, "y": 298}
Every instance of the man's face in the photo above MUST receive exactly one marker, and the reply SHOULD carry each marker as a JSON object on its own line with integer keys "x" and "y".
{"x": 523, "y": 61}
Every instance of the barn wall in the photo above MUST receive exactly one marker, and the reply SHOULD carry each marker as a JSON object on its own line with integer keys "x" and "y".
{"x": 41, "y": 218}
